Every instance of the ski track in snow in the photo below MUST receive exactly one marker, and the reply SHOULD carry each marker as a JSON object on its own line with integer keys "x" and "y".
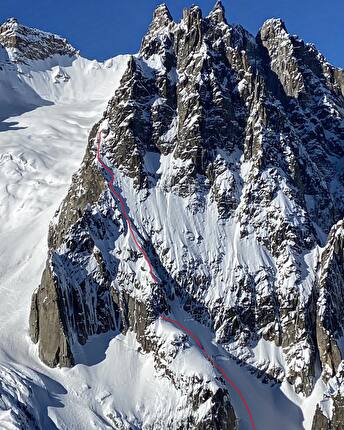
{"x": 125, "y": 214}
{"x": 155, "y": 280}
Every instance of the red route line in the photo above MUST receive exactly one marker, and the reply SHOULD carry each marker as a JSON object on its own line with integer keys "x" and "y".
{"x": 155, "y": 280}
{"x": 215, "y": 365}
{"x": 124, "y": 211}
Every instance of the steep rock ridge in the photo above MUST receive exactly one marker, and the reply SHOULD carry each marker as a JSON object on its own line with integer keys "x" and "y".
{"x": 315, "y": 106}
{"x": 275, "y": 38}
{"x": 48, "y": 311}
{"x": 228, "y": 150}
{"x": 24, "y": 43}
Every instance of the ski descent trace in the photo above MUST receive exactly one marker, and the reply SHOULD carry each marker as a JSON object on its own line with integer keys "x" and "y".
{"x": 156, "y": 281}
{"x": 124, "y": 212}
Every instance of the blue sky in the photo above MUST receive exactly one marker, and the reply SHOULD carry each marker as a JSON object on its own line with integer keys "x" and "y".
{"x": 104, "y": 28}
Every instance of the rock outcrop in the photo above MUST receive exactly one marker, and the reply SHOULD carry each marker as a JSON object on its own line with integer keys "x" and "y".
{"x": 329, "y": 414}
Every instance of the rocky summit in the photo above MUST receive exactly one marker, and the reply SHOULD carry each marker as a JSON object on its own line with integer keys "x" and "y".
{"x": 23, "y": 44}
{"x": 228, "y": 152}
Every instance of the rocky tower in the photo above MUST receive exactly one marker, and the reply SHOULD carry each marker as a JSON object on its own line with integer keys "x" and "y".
{"x": 229, "y": 151}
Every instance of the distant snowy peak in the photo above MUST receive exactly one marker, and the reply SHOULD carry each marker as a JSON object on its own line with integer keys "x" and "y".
{"x": 37, "y": 67}
{"x": 24, "y": 44}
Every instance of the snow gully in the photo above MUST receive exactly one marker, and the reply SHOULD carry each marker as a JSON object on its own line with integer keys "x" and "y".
{"x": 156, "y": 281}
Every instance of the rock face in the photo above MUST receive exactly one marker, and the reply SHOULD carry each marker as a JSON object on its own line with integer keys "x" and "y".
{"x": 228, "y": 150}
{"x": 28, "y": 44}
{"x": 330, "y": 323}
{"x": 330, "y": 331}
{"x": 332, "y": 416}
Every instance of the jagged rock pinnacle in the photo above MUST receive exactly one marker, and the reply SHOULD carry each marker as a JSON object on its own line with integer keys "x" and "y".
{"x": 11, "y": 21}
{"x": 218, "y": 12}
{"x": 162, "y": 19}
{"x": 194, "y": 13}
{"x": 273, "y": 26}
{"x": 162, "y": 12}
{"x": 218, "y": 7}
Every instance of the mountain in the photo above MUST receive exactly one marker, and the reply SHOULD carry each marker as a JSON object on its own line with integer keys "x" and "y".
{"x": 194, "y": 277}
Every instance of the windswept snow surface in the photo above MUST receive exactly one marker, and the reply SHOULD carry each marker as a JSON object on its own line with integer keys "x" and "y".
{"x": 47, "y": 110}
